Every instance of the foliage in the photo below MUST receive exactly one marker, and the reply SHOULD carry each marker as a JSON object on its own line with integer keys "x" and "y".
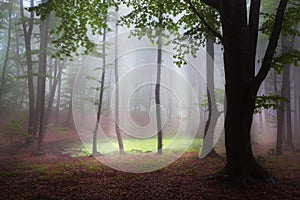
{"x": 291, "y": 56}
{"x": 267, "y": 102}
{"x": 75, "y": 19}
{"x": 291, "y": 20}
{"x": 182, "y": 29}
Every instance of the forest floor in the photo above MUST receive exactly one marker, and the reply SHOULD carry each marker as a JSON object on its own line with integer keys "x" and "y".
{"x": 60, "y": 176}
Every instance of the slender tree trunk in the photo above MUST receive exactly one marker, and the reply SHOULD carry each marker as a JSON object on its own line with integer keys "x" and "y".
{"x": 295, "y": 125}
{"x": 3, "y": 78}
{"x": 31, "y": 97}
{"x": 58, "y": 102}
{"x": 95, "y": 132}
{"x": 157, "y": 95}
{"x": 117, "y": 106}
{"x": 53, "y": 90}
{"x": 44, "y": 26}
{"x": 213, "y": 113}
{"x": 297, "y": 100}
{"x": 70, "y": 110}
{"x": 280, "y": 116}
{"x": 286, "y": 87}
{"x": 52, "y": 75}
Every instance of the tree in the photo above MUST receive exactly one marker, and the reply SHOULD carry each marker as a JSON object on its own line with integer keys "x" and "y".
{"x": 41, "y": 82}
{"x": 213, "y": 112}
{"x": 7, "y": 50}
{"x": 117, "y": 105}
{"x": 95, "y": 132}
{"x": 27, "y": 31}
{"x": 239, "y": 38}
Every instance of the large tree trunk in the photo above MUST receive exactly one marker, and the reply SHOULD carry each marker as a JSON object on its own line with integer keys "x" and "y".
{"x": 240, "y": 43}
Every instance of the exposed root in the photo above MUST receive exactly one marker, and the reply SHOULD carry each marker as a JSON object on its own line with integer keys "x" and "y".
{"x": 257, "y": 172}
{"x": 214, "y": 154}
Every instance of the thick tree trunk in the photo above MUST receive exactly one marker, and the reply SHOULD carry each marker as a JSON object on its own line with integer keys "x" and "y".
{"x": 240, "y": 40}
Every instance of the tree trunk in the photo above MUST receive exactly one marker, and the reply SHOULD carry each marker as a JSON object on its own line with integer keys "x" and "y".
{"x": 31, "y": 96}
{"x": 157, "y": 95}
{"x": 213, "y": 113}
{"x": 53, "y": 90}
{"x": 41, "y": 89}
{"x": 279, "y": 119}
{"x": 117, "y": 118}
{"x": 240, "y": 43}
{"x": 286, "y": 87}
{"x": 58, "y": 101}
{"x": 95, "y": 132}
{"x": 3, "y": 78}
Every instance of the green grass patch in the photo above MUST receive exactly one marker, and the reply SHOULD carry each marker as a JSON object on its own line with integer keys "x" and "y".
{"x": 132, "y": 145}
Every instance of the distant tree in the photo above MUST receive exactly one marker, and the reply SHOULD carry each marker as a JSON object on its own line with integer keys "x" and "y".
{"x": 5, "y": 64}
{"x": 41, "y": 83}
{"x": 117, "y": 103}
{"x": 27, "y": 26}
{"x": 101, "y": 92}
{"x": 213, "y": 112}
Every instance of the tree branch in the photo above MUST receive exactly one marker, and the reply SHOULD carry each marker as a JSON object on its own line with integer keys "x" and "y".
{"x": 265, "y": 67}
{"x": 202, "y": 19}
{"x": 253, "y": 28}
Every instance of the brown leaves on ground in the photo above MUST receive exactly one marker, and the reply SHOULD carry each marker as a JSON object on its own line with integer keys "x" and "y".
{"x": 57, "y": 176}
{"x": 63, "y": 177}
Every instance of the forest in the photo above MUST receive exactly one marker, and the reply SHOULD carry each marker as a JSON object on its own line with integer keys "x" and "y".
{"x": 149, "y": 99}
